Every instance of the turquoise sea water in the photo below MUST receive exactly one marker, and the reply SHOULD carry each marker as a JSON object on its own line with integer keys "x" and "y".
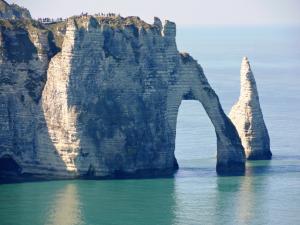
{"x": 269, "y": 193}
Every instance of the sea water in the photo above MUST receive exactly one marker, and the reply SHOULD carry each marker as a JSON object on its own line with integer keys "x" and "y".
{"x": 269, "y": 193}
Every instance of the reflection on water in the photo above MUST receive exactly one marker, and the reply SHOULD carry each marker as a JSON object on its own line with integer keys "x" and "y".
{"x": 128, "y": 202}
{"x": 202, "y": 198}
{"x": 114, "y": 202}
{"x": 238, "y": 197}
{"x": 268, "y": 194}
{"x": 252, "y": 192}
{"x": 66, "y": 207}
{"x": 195, "y": 196}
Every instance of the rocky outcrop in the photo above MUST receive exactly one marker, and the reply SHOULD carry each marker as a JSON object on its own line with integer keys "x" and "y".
{"x": 25, "y": 51}
{"x": 99, "y": 97}
{"x": 247, "y": 117}
{"x": 13, "y": 11}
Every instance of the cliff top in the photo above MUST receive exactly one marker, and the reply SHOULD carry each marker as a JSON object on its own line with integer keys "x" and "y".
{"x": 15, "y": 17}
{"x": 21, "y": 24}
{"x": 3, "y": 4}
{"x": 112, "y": 20}
{"x": 13, "y": 11}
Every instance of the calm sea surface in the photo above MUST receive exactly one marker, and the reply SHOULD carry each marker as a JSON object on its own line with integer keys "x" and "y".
{"x": 268, "y": 194}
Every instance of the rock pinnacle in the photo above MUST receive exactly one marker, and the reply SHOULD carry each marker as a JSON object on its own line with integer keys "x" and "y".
{"x": 248, "y": 119}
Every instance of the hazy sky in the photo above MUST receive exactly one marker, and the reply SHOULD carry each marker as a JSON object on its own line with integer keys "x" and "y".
{"x": 183, "y": 12}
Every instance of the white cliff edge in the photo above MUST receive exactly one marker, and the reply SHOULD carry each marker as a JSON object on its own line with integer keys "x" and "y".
{"x": 248, "y": 119}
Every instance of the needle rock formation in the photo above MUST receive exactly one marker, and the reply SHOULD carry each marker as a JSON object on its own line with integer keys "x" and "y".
{"x": 248, "y": 119}
{"x": 98, "y": 96}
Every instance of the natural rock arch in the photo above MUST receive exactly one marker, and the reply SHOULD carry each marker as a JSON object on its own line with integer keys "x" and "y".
{"x": 119, "y": 110}
{"x": 193, "y": 85}
{"x": 109, "y": 102}
{"x": 195, "y": 134}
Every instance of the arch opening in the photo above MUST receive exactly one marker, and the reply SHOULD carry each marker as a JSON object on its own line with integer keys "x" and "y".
{"x": 9, "y": 167}
{"x": 195, "y": 142}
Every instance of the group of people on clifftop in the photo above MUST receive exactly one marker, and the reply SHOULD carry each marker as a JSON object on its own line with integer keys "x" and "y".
{"x": 60, "y": 19}
{"x": 107, "y": 14}
{"x": 50, "y": 20}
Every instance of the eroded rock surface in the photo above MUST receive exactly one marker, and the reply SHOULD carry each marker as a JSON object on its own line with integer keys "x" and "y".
{"x": 13, "y": 11}
{"x": 248, "y": 119}
{"x": 99, "y": 97}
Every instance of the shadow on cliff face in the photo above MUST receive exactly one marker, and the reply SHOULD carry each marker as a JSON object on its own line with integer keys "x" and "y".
{"x": 108, "y": 115}
{"x": 26, "y": 149}
{"x": 121, "y": 134}
{"x": 29, "y": 153}
{"x": 126, "y": 104}
{"x": 9, "y": 168}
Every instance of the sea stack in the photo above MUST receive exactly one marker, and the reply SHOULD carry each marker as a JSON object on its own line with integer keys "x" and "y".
{"x": 248, "y": 119}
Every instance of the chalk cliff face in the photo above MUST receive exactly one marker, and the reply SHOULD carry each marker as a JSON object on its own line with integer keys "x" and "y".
{"x": 99, "y": 97}
{"x": 248, "y": 119}
{"x": 25, "y": 51}
{"x": 13, "y": 11}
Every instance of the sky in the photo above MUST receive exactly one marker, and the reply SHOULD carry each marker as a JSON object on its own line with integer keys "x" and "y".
{"x": 183, "y": 12}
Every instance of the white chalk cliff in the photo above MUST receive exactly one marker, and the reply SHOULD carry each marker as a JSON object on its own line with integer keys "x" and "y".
{"x": 13, "y": 11}
{"x": 98, "y": 96}
{"x": 248, "y": 119}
